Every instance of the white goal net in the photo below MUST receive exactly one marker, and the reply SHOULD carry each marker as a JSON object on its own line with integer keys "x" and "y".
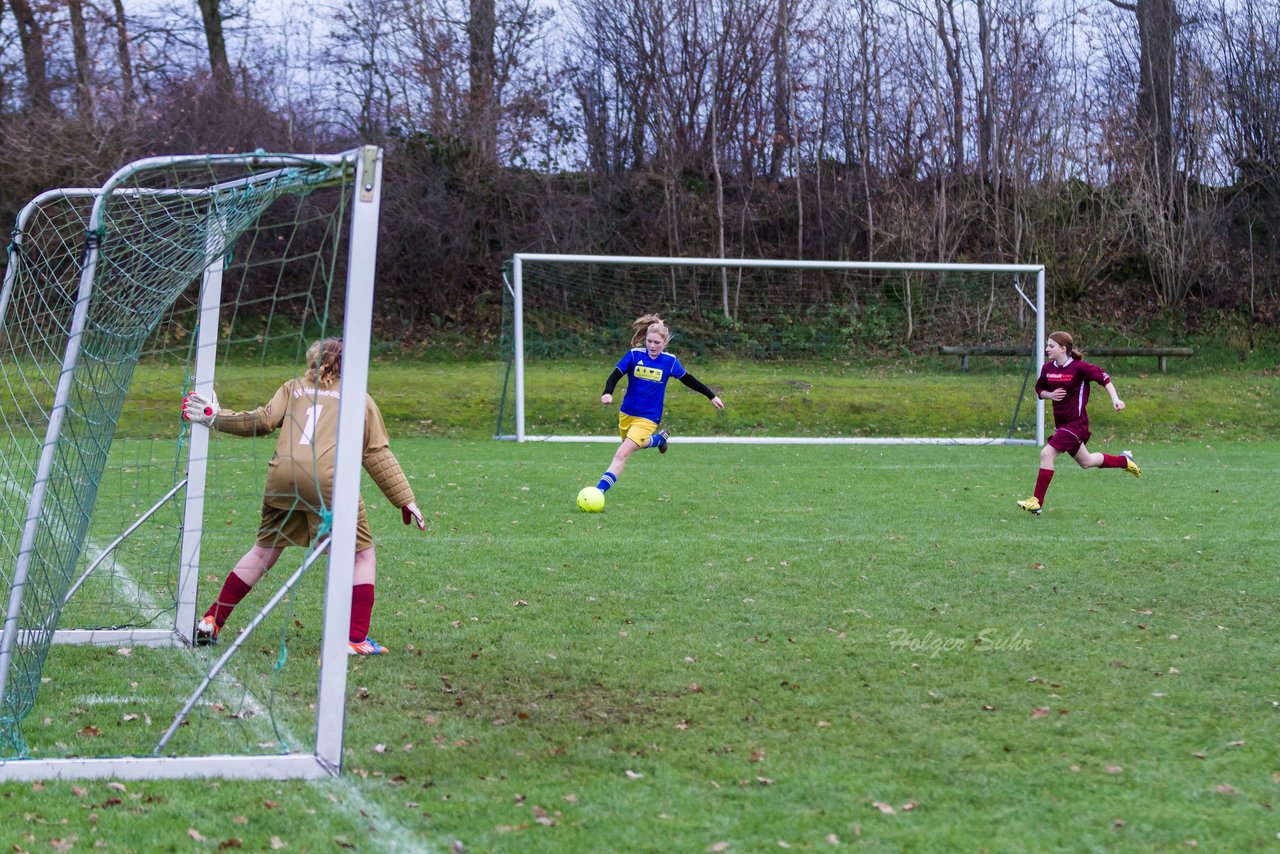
{"x": 829, "y": 335}
{"x": 118, "y": 521}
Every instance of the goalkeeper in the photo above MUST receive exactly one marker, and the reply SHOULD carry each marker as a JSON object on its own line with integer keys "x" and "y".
{"x": 300, "y": 484}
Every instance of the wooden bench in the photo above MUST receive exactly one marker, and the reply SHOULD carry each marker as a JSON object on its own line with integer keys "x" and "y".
{"x": 1161, "y": 353}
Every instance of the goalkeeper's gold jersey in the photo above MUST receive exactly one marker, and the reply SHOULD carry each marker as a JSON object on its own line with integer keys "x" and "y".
{"x": 302, "y": 467}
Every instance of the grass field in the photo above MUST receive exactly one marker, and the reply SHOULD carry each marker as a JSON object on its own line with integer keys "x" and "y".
{"x": 458, "y": 400}
{"x": 759, "y": 647}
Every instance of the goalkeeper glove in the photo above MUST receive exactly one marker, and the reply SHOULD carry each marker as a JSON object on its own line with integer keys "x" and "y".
{"x": 413, "y": 516}
{"x": 199, "y": 409}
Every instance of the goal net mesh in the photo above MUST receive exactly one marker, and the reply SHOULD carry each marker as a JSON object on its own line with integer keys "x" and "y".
{"x": 814, "y": 325}
{"x": 94, "y": 454}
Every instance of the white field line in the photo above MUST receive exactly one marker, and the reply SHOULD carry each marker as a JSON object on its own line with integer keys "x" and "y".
{"x": 392, "y": 836}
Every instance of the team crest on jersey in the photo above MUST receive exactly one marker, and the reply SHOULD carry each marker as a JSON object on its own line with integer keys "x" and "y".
{"x": 642, "y": 372}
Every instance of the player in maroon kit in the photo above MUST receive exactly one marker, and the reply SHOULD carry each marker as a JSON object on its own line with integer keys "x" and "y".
{"x": 1065, "y": 379}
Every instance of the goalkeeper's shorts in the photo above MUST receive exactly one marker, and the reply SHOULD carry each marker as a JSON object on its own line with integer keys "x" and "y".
{"x": 300, "y": 525}
{"x": 638, "y": 430}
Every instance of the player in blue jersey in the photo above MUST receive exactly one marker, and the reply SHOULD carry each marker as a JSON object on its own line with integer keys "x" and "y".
{"x": 648, "y": 368}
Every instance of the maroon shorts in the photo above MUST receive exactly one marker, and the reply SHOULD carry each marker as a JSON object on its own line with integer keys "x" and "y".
{"x": 1068, "y": 440}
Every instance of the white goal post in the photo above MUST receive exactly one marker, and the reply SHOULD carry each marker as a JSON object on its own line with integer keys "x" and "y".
{"x": 913, "y": 289}
{"x": 76, "y": 320}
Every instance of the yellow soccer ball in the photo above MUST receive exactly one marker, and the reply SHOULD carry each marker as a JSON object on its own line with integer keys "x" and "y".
{"x": 590, "y": 500}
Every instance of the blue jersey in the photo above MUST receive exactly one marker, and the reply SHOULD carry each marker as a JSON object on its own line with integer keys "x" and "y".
{"x": 647, "y": 382}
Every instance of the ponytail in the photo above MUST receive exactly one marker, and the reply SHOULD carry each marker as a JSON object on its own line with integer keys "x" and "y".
{"x": 645, "y": 324}
{"x": 1065, "y": 339}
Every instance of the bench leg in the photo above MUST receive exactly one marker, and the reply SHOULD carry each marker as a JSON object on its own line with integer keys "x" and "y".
{"x": 964, "y": 362}
{"x": 1161, "y": 361}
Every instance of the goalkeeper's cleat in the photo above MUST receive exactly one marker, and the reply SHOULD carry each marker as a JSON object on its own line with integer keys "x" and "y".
{"x": 1031, "y": 505}
{"x": 663, "y": 436}
{"x": 206, "y": 632}
{"x": 368, "y": 646}
{"x": 1130, "y": 465}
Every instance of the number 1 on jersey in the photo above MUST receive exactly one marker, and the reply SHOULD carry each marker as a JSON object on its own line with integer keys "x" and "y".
{"x": 309, "y": 429}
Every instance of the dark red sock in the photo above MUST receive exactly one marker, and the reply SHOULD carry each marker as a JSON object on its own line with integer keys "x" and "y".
{"x": 1113, "y": 461}
{"x": 1042, "y": 483}
{"x": 233, "y": 590}
{"x": 361, "y": 612}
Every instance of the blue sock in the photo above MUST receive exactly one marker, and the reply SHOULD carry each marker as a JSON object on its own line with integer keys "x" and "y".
{"x": 606, "y": 481}
{"x": 657, "y": 440}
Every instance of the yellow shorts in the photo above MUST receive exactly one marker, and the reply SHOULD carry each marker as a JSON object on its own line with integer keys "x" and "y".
{"x": 638, "y": 430}
{"x": 298, "y": 526}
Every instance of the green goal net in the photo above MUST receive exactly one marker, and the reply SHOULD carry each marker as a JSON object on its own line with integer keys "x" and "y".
{"x": 117, "y": 519}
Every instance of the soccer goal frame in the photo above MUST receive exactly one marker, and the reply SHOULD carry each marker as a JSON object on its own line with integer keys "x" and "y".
{"x": 361, "y": 169}
{"x": 514, "y": 283}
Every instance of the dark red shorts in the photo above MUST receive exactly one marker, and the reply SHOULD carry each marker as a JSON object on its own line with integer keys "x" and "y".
{"x": 1069, "y": 439}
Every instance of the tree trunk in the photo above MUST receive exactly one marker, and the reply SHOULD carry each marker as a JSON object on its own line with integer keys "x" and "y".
{"x": 80, "y": 53}
{"x": 1158, "y": 22}
{"x": 211, "y": 14}
{"x": 481, "y": 64}
{"x": 124, "y": 57}
{"x": 781, "y": 90}
{"x": 986, "y": 107}
{"x": 719, "y": 183}
{"x": 1157, "y": 30}
{"x": 34, "y": 59}
{"x": 949, "y": 35}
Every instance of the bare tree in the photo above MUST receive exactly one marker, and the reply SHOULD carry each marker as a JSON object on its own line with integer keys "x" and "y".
{"x": 951, "y": 40}
{"x": 782, "y": 104}
{"x": 1248, "y": 70}
{"x": 482, "y": 118}
{"x": 35, "y": 61}
{"x": 1158, "y": 23}
{"x": 80, "y": 53}
{"x": 216, "y": 42}
{"x": 124, "y": 54}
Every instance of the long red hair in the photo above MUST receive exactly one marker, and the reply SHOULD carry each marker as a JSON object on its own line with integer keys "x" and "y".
{"x": 1067, "y": 342}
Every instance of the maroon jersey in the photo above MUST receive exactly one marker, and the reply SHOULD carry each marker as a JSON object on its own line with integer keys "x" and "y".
{"x": 1075, "y": 377}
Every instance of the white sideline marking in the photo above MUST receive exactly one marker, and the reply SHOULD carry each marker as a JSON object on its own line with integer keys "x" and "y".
{"x": 109, "y": 700}
{"x": 392, "y": 836}
{"x": 234, "y": 694}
